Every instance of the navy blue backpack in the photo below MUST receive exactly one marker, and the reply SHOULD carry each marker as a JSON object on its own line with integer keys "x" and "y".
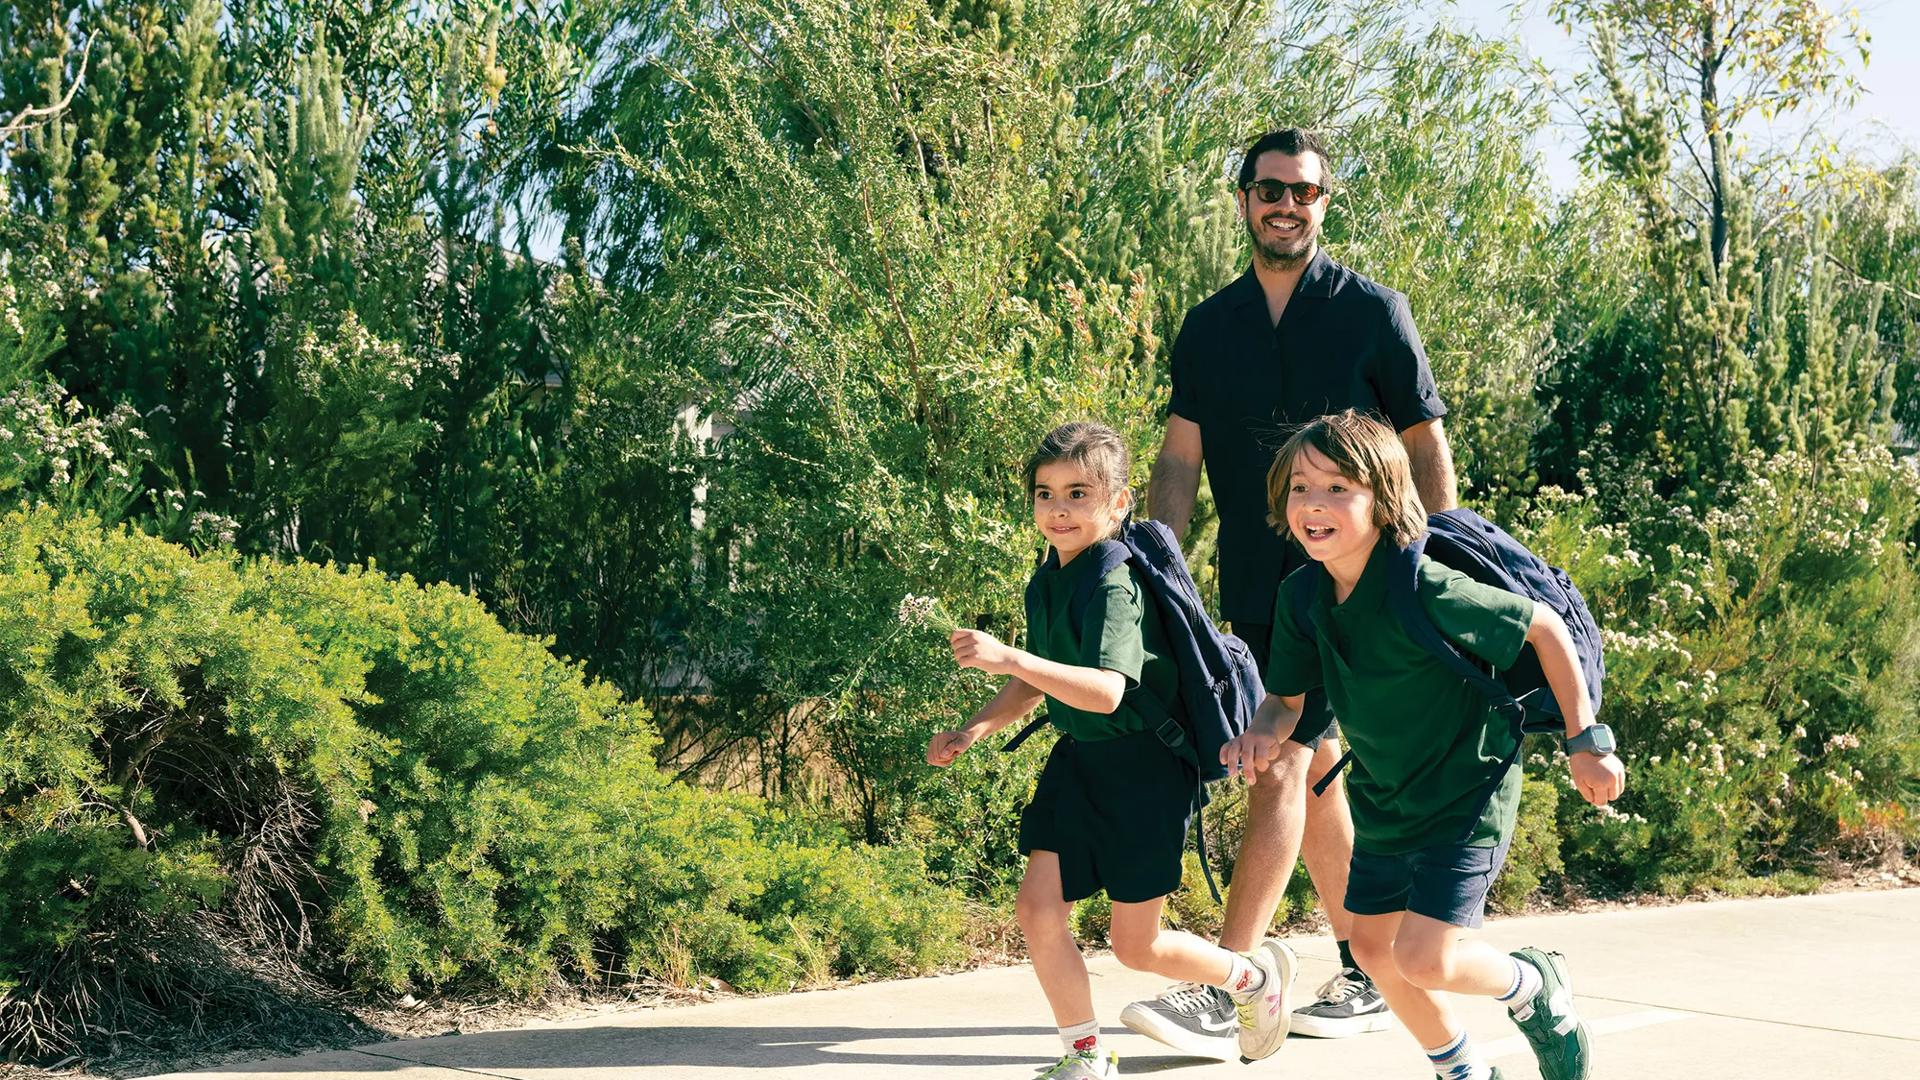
{"x": 1219, "y": 684}
{"x": 1469, "y": 543}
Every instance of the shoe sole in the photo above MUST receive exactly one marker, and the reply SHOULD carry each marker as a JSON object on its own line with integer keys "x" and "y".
{"x": 1314, "y": 1027}
{"x": 1224, "y": 1047}
{"x": 1286, "y": 966}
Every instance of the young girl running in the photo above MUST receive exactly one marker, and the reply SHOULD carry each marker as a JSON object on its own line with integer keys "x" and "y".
{"x": 1111, "y": 806}
{"x": 1434, "y": 799}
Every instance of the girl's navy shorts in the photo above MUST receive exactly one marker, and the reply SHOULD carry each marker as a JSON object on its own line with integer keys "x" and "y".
{"x": 1115, "y": 811}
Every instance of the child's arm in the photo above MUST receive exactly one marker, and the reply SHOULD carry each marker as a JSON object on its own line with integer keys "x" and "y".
{"x": 1249, "y": 755}
{"x": 1015, "y": 700}
{"x": 1094, "y": 690}
{"x": 1599, "y": 778}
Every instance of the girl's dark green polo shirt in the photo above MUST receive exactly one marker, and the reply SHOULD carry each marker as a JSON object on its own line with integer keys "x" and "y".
{"x": 1119, "y": 631}
{"x": 1428, "y": 752}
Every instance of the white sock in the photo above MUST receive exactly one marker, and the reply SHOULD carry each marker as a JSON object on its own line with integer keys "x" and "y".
{"x": 1082, "y": 1038}
{"x": 1519, "y": 995}
{"x": 1458, "y": 1060}
{"x": 1245, "y": 979}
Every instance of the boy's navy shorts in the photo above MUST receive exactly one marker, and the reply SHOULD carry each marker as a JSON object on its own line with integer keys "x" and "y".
{"x": 1448, "y": 882}
{"x": 1115, "y": 811}
{"x": 1316, "y": 716}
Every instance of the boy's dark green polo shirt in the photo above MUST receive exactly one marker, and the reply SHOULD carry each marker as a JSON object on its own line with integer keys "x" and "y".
{"x": 1426, "y": 747}
{"x": 1343, "y": 342}
{"x": 1119, "y": 631}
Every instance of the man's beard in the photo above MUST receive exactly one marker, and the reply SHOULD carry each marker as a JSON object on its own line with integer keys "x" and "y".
{"x": 1277, "y": 253}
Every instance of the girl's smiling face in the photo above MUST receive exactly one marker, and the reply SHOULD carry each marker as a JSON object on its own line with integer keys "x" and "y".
{"x": 1073, "y": 509}
{"x": 1330, "y": 514}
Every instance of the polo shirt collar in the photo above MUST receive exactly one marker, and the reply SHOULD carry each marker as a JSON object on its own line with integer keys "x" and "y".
{"x": 1317, "y": 281}
{"x": 1370, "y": 592}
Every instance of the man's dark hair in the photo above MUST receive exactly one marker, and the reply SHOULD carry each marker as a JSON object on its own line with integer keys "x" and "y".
{"x": 1292, "y": 142}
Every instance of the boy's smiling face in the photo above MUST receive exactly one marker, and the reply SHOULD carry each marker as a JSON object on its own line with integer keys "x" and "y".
{"x": 1330, "y": 514}
{"x": 1072, "y": 509}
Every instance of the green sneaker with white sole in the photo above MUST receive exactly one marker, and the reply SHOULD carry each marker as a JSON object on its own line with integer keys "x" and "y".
{"x": 1560, "y": 1039}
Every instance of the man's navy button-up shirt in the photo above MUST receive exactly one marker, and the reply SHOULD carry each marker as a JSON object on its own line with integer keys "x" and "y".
{"x": 1342, "y": 342}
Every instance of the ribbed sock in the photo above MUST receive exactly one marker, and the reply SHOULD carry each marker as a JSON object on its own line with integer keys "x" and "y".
{"x": 1526, "y": 983}
{"x": 1082, "y": 1038}
{"x": 1458, "y": 1061}
{"x": 1245, "y": 979}
{"x": 1346, "y": 955}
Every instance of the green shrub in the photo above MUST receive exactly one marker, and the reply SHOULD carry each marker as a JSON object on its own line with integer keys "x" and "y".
{"x": 373, "y": 782}
{"x": 1760, "y": 667}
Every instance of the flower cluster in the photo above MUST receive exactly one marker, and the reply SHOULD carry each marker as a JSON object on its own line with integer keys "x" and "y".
{"x": 925, "y": 611}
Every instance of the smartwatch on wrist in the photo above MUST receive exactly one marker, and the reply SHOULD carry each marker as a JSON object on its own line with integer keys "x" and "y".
{"x": 1597, "y": 740}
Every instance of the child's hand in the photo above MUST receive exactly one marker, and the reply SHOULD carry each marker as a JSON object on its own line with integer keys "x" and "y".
{"x": 979, "y": 649}
{"x": 947, "y": 745}
{"x": 1250, "y": 754}
{"x": 1599, "y": 778}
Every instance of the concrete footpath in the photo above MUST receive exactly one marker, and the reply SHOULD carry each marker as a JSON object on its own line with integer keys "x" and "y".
{"x": 1802, "y": 987}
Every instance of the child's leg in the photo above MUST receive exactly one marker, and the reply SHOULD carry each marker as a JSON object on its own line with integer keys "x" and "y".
{"x": 1141, "y": 943}
{"x": 1440, "y": 956}
{"x": 1043, "y": 913}
{"x": 1424, "y": 1012}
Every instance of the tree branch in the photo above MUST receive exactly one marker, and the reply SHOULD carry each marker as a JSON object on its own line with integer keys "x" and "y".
{"x": 37, "y": 115}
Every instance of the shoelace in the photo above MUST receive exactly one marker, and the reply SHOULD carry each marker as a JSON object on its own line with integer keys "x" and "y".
{"x": 1059, "y": 1067}
{"x": 1190, "y": 999}
{"x": 1341, "y": 987}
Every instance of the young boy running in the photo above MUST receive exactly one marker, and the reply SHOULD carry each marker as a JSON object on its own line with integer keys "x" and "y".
{"x": 1433, "y": 791}
{"x": 1111, "y": 807}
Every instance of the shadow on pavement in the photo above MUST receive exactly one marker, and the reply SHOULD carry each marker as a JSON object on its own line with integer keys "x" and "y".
{"x": 506, "y": 1052}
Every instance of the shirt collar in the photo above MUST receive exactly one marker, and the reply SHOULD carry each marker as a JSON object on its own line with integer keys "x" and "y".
{"x": 1370, "y": 592}
{"x": 1316, "y": 282}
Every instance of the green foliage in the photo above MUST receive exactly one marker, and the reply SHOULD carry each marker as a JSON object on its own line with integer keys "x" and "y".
{"x": 1759, "y": 667}
{"x": 375, "y": 781}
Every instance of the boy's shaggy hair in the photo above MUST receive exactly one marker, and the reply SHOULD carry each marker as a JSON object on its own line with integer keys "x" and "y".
{"x": 1365, "y": 451}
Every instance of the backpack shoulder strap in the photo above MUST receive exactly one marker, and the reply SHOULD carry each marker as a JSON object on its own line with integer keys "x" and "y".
{"x": 1403, "y": 595}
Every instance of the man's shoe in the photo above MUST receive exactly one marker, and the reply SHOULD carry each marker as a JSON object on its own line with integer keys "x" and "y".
{"x": 1084, "y": 1066}
{"x": 1349, "y": 1004}
{"x": 1560, "y": 1039}
{"x": 1193, "y": 1018}
{"x": 1264, "y": 1020}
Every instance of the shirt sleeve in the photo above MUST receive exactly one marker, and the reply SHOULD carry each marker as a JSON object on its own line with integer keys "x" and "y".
{"x": 1181, "y": 401}
{"x": 1293, "y": 661}
{"x": 1489, "y": 622}
{"x": 1110, "y": 635}
{"x": 1402, "y": 378}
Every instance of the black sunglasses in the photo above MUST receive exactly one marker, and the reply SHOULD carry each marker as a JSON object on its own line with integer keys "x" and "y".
{"x": 1269, "y": 191}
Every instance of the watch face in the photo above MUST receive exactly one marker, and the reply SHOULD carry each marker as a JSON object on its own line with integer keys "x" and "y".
{"x": 1600, "y": 738}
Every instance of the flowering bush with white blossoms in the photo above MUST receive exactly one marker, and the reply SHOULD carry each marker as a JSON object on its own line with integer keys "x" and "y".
{"x": 54, "y": 449}
{"x": 1761, "y": 671}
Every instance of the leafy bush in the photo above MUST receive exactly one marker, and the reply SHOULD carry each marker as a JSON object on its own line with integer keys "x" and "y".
{"x": 1761, "y": 666}
{"x": 372, "y": 782}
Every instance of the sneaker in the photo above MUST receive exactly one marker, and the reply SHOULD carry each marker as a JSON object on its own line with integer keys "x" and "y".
{"x": 1264, "y": 1020}
{"x": 1085, "y": 1066}
{"x": 1196, "y": 1019}
{"x": 1349, "y": 1004}
{"x": 1560, "y": 1038}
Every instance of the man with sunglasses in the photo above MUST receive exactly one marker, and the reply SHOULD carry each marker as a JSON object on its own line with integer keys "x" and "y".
{"x": 1295, "y": 337}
